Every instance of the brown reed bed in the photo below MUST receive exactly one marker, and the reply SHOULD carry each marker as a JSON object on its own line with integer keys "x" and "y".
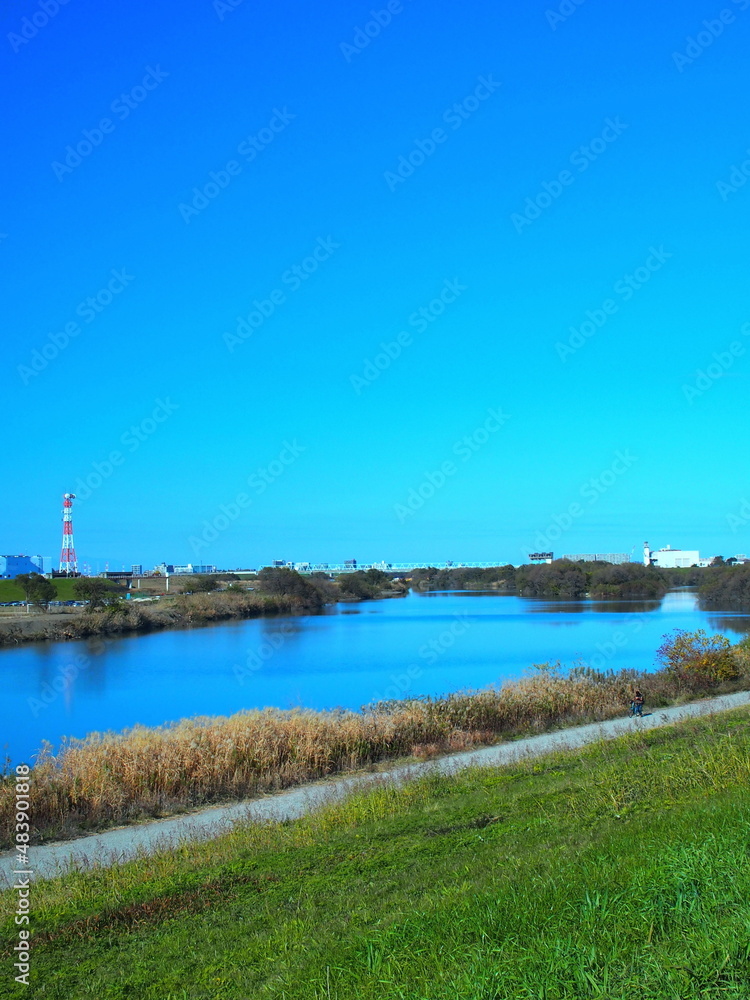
{"x": 115, "y": 778}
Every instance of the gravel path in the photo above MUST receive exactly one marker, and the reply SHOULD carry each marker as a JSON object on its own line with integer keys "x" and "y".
{"x": 128, "y": 842}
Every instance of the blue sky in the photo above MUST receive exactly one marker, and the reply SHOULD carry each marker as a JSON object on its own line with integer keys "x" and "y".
{"x": 468, "y": 189}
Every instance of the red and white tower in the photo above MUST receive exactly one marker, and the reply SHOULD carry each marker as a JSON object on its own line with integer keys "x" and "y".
{"x": 68, "y": 562}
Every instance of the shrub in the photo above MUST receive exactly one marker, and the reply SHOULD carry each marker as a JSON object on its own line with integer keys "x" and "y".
{"x": 741, "y": 653}
{"x": 698, "y": 657}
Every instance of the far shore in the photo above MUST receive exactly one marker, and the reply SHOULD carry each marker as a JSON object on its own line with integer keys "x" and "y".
{"x": 283, "y": 591}
{"x": 136, "y": 616}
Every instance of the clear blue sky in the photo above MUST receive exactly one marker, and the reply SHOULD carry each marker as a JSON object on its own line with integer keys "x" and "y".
{"x": 317, "y": 126}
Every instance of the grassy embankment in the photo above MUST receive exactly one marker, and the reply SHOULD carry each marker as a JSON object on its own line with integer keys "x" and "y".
{"x": 142, "y": 773}
{"x": 10, "y": 591}
{"x": 620, "y": 871}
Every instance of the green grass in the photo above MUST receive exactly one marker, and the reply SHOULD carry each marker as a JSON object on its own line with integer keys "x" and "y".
{"x": 618, "y": 871}
{"x": 10, "y": 591}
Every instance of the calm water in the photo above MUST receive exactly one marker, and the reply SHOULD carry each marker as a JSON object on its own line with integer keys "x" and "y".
{"x": 348, "y": 656}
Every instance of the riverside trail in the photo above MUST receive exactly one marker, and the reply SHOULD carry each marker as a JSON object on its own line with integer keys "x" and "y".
{"x": 125, "y": 843}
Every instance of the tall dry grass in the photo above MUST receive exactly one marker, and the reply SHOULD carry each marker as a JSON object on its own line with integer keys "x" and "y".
{"x": 113, "y": 778}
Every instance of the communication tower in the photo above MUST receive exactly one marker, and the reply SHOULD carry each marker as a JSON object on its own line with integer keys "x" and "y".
{"x": 68, "y": 562}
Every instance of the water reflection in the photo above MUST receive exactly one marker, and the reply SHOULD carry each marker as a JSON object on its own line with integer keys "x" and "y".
{"x": 539, "y": 605}
{"x": 738, "y": 624}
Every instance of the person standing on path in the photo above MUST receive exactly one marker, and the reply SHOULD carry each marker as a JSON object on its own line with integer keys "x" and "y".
{"x": 637, "y": 704}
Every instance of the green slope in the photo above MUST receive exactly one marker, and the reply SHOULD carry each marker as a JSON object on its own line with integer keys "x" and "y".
{"x": 10, "y": 591}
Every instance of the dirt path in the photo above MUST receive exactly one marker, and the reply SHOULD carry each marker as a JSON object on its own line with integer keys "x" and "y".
{"x": 128, "y": 842}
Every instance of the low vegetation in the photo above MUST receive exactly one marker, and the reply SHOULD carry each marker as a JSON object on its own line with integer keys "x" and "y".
{"x": 726, "y": 587}
{"x": 368, "y": 585}
{"x": 617, "y": 872}
{"x": 559, "y": 580}
{"x": 117, "y": 778}
{"x": 501, "y": 578}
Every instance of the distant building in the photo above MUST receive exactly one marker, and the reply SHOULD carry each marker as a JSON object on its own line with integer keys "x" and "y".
{"x": 13, "y": 566}
{"x": 610, "y": 557}
{"x": 669, "y": 558}
{"x": 136, "y": 569}
{"x": 168, "y": 569}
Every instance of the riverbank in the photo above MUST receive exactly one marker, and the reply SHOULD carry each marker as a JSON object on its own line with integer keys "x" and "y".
{"x": 616, "y": 870}
{"x": 116, "y": 778}
{"x": 128, "y": 617}
{"x": 183, "y": 611}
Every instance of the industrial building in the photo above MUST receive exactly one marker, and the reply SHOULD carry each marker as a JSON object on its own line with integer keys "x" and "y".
{"x": 13, "y": 566}
{"x": 609, "y": 557}
{"x": 167, "y": 569}
{"x": 669, "y": 558}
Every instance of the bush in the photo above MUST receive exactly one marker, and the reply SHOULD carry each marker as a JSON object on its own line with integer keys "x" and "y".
{"x": 284, "y": 582}
{"x": 697, "y": 656}
{"x": 726, "y": 586}
{"x": 741, "y": 653}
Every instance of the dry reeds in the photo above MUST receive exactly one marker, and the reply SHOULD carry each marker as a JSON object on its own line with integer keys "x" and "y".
{"x": 114, "y": 778}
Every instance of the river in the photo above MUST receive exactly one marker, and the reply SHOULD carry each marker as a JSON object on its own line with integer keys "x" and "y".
{"x": 347, "y": 656}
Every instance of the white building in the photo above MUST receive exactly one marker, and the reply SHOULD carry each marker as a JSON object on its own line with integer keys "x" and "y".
{"x": 669, "y": 558}
{"x": 167, "y": 569}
